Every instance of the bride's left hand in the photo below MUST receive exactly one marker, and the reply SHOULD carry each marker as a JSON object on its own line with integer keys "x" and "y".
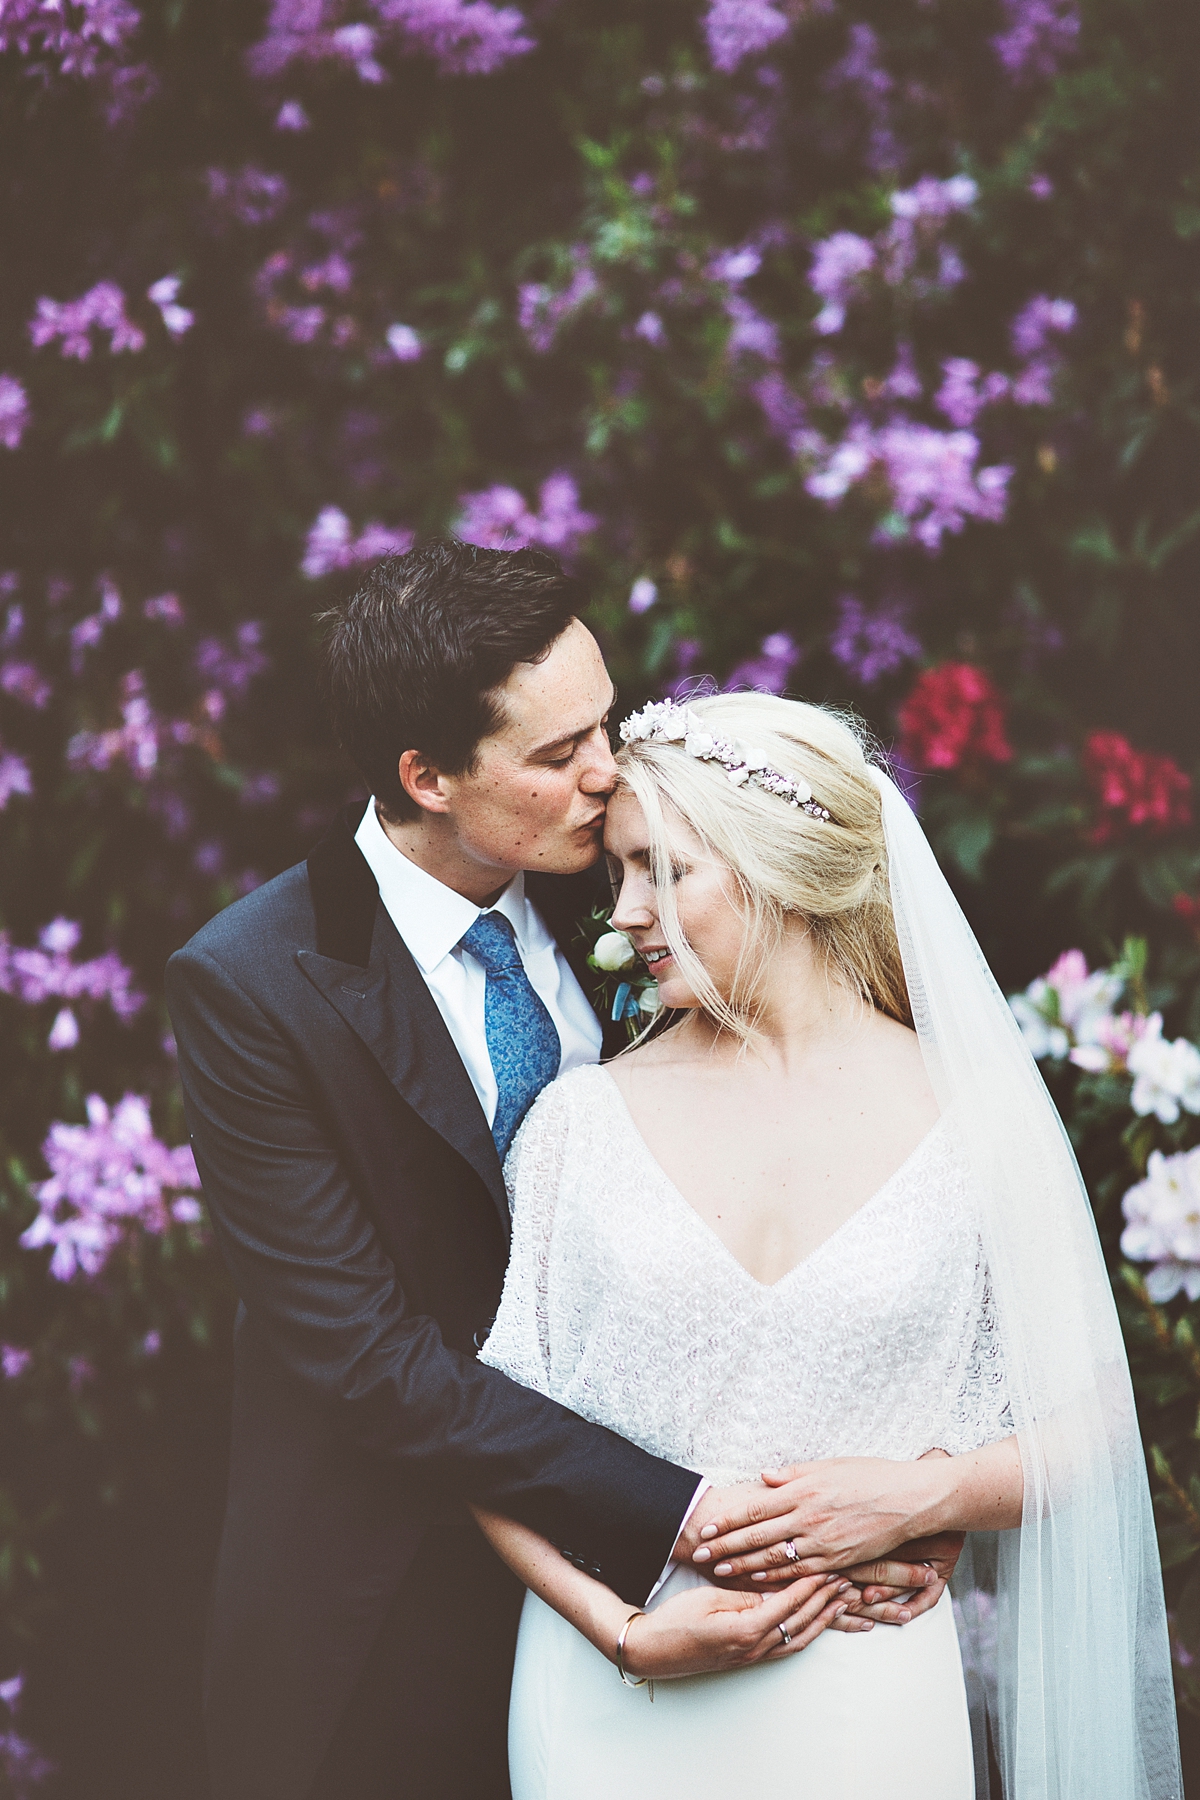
{"x": 842, "y": 1511}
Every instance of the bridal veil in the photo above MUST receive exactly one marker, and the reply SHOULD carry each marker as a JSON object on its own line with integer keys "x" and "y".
{"x": 1080, "y": 1696}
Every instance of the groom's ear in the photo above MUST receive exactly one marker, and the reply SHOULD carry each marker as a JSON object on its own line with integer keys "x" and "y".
{"x": 423, "y": 784}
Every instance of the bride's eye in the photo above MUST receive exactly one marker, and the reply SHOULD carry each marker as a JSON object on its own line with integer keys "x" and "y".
{"x": 677, "y": 871}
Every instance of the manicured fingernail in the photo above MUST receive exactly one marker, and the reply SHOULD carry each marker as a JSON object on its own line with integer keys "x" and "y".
{"x": 701, "y": 1555}
{"x": 708, "y": 1531}
{"x": 904, "y": 1615}
{"x": 845, "y": 1587}
{"x": 758, "y": 1575}
{"x": 723, "y": 1569}
{"x": 839, "y": 1610}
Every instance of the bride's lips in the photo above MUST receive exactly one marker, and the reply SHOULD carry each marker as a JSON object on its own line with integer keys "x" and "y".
{"x": 656, "y": 958}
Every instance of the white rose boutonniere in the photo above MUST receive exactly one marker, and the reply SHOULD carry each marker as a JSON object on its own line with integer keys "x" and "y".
{"x": 626, "y": 990}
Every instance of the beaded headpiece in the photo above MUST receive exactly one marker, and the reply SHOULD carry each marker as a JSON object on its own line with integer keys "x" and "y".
{"x": 667, "y": 722}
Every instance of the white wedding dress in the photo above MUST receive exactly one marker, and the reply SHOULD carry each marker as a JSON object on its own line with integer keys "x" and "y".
{"x": 622, "y": 1303}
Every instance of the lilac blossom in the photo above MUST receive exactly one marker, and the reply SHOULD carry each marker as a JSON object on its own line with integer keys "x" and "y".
{"x": 736, "y": 29}
{"x": 302, "y": 31}
{"x": 936, "y": 485}
{"x": 164, "y": 294}
{"x": 1040, "y": 35}
{"x": 903, "y": 382}
{"x": 292, "y": 117}
{"x": 168, "y": 608}
{"x": 48, "y": 973}
{"x": 138, "y": 741}
{"x": 331, "y": 543}
{"x": 64, "y": 1033}
{"x": 965, "y": 391}
{"x": 15, "y": 777}
{"x": 1038, "y": 321}
{"x": 785, "y": 414}
{"x": 24, "y": 681}
{"x": 542, "y": 309}
{"x": 23, "y": 1765}
{"x": 651, "y": 330}
{"x": 642, "y": 594}
{"x": 465, "y": 37}
{"x": 771, "y": 669}
{"x": 862, "y": 73}
{"x": 688, "y": 652}
{"x": 404, "y": 343}
{"x": 749, "y": 332}
{"x": 870, "y": 645}
{"x": 107, "y": 1177}
{"x": 102, "y": 307}
{"x": 499, "y": 517}
{"x": 14, "y": 1360}
{"x": 250, "y": 195}
{"x": 838, "y": 266}
{"x": 79, "y": 39}
{"x": 14, "y": 412}
{"x": 89, "y": 631}
{"x": 232, "y": 670}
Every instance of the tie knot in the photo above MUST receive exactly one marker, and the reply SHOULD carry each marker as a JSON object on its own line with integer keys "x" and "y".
{"x": 492, "y": 942}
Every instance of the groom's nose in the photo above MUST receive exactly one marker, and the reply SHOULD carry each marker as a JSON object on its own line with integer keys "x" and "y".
{"x": 598, "y": 772}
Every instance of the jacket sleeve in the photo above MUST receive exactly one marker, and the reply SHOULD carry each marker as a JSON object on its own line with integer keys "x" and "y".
{"x": 317, "y": 1283}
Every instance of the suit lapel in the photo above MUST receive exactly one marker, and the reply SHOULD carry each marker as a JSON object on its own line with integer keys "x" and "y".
{"x": 365, "y": 971}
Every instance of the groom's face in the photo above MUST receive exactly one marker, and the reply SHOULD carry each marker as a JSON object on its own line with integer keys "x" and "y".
{"x": 536, "y": 796}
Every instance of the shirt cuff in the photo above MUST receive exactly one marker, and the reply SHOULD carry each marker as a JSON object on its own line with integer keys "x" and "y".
{"x": 693, "y": 1503}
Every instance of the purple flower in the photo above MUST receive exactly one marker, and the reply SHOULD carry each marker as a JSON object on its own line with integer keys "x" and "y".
{"x": 166, "y": 607}
{"x": 935, "y": 483}
{"x": 102, "y": 308}
{"x": 14, "y": 412}
{"x": 79, "y": 40}
{"x": 1040, "y": 35}
{"x": 870, "y": 645}
{"x": 403, "y": 343}
{"x": 64, "y": 1033}
{"x": 650, "y": 327}
{"x": 48, "y": 973}
{"x": 863, "y": 74}
{"x": 1040, "y": 186}
{"x": 770, "y": 670}
{"x": 292, "y": 117}
{"x": 465, "y": 37}
{"x": 964, "y": 392}
{"x": 14, "y": 1361}
{"x": 642, "y": 595}
{"x": 232, "y": 670}
{"x": 14, "y": 777}
{"x": 839, "y": 263}
{"x": 736, "y": 29}
{"x": 904, "y": 383}
{"x": 164, "y": 294}
{"x": 251, "y": 195}
{"x": 1038, "y": 320}
{"x": 89, "y": 631}
{"x": 107, "y": 1177}
{"x": 541, "y": 309}
{"x": 331, "y": 543}
{"x": 499, "y": 517}
{"x": 152, "y": 1343}
{"x": 688, "y": 652}
{"x": 25, "y": 682}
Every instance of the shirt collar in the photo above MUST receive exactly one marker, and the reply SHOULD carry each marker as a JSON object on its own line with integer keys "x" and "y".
{"x": 431, "y": 917}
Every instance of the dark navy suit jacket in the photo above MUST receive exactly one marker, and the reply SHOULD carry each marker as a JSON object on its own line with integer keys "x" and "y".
{"x": 358, "y": 1201}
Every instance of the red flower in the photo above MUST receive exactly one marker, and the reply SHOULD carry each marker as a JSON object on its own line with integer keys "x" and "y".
{"x": 1134, "y": 787}
{"x": 1187, "y": 907}
{"x": 954, "y": 715}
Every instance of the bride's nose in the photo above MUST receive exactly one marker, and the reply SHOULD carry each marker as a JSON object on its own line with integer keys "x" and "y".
{"x": 635, "y": 909}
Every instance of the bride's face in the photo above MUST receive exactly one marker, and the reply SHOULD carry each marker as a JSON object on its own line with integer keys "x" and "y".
{"x": 709, "y": 919}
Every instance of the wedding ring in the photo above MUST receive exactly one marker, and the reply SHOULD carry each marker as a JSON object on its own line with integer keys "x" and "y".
{"x": 785, "y": 1634}
{"x": 790, "y": 1550}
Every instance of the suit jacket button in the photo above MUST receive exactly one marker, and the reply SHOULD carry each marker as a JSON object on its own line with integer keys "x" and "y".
{"x": 594, "y": 1569}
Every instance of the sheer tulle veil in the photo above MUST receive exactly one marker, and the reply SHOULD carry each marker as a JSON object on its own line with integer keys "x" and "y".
{"x": 1079, "y": 1694}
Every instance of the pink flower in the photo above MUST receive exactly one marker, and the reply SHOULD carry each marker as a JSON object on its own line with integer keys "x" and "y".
{"x": 14, "y": 412}
{"x": 1134, "y": 788}
{"x": 954, "y": 717}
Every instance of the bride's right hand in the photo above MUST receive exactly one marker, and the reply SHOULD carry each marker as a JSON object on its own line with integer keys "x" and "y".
{"x": 710, "y": 1628}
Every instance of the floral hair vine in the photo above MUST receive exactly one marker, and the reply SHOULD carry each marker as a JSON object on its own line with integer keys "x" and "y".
{"x": 667, "y": 722}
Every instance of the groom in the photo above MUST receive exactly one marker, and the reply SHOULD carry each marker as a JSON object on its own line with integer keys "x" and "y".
{"x": 358, "y": 1041}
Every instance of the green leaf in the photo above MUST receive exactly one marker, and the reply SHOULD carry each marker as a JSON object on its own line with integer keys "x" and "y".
{"x": 967, "y": 841}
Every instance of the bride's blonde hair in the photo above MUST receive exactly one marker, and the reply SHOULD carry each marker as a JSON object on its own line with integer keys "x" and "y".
{"x": 783, "y": 862}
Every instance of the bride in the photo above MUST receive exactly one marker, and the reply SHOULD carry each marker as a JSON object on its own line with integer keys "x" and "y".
{"x": 793, "y": 1232}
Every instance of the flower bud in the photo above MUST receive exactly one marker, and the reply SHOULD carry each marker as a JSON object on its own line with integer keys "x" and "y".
{"x": 614, "y": 951}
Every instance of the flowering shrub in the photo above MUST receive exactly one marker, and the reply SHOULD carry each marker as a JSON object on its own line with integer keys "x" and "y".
{"x": 820, "y": 342}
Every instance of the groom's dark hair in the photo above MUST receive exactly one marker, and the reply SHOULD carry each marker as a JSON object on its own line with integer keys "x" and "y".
{"x": 415, "y": 658}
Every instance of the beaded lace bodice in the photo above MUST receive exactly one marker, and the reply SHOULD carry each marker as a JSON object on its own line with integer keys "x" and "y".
{"x": 623, "y": 1304}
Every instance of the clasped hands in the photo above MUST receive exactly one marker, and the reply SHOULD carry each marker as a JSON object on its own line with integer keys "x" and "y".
{"x": 850, "y": 1523}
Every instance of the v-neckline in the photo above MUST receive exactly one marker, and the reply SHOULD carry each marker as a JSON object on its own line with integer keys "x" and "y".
{"x": 675, "y": 1193}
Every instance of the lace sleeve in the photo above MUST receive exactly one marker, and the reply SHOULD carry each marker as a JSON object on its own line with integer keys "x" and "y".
{"x": 519, "y": 1342}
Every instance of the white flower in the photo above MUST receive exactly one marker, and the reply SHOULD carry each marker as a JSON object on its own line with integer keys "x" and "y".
{"x": 1043, "y": 1038}
{"x": 649, "y": 1001}
{"x": 1066, "y": 1007}
{"x": 699, "y": 743}
{"x": 1163, "y": 1214}
{"x": 614, "y": 951}
{"x": 1166, "y": 1075}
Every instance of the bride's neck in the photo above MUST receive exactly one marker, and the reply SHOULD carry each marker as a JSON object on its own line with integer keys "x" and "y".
{"x": 803, "y": 1011}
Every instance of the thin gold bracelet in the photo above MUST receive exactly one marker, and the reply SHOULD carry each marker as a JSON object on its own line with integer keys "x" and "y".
{"x": 639, "y": 1612}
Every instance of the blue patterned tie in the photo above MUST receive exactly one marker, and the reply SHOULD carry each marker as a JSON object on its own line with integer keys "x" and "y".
{"x": 521, "y": 1039}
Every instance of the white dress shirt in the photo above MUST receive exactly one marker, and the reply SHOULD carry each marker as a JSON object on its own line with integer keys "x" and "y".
{"x": 432, "y": 918}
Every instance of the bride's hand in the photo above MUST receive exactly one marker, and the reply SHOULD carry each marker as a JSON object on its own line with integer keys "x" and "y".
{"x": 710, "y": 1629}
{"x": 824, "y": 1516}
